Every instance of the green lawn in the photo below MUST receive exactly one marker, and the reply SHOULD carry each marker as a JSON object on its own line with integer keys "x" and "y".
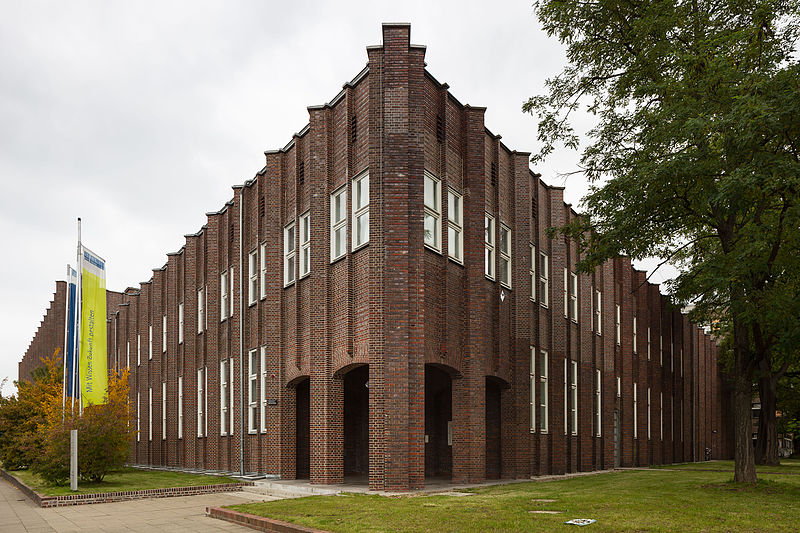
{"x": 125, "y": 479}
{"x": 787, "y": 466}
{"x": 639, "y": 500}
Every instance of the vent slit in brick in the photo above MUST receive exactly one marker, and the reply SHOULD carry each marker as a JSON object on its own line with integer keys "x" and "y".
{"x": 301, "y": 170}
{"x": 353, "y": 129}
{"x": 494, "y": 174}
{"x": 440, "y": 128}
{"x": 262, "y": 207}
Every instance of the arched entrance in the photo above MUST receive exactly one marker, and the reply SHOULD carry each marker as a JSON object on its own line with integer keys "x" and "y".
{"x": 438, "y": 422}
{"x": 356, "y": 422}
{"x": 303, "y": 429}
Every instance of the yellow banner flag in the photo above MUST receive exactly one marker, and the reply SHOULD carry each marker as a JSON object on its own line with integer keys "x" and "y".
{"x": 93, "y": 359}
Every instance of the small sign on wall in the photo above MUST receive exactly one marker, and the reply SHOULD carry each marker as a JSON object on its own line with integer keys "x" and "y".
{"x": 272, "y": 401}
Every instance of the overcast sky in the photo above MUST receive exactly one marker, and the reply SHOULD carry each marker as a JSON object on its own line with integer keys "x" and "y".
{"x": 140, "y": 116}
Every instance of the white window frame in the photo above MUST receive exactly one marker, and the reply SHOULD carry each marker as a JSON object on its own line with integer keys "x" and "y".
{"x": 661, "y": 350}
{"x": 635, "y": 412}
{"x": 360, "y": 209}
{"x": 231, "y": 363}
{"x": 635, "y": 326}
{"x": 163, "y": 410}
{"x": 223, "y": 397}
{"x": 201, "y": 401}
{"x": 263, "y": 269}
{"x": 598, "y": 312}
{"x": 138, "y": 349}
{"x": 201, "y": 310}
{"x": 231, "y": 292}
{"x": 180, "y": 407}
{"x": 305, "y": 244}
{"x": 180, "y": 323}
{"x": 648, "y": 343}
{"x": 164, "y": 333}
{"x": 566, "y": 392}
{"x": 252, "y": 276}
{"x": 617, "y": 327}
{"x": 566, "y": 293}
{"x": 533, "y": 382}
{"x": 598, "y": 407}
{"x": 339, "y": 225}
{"x": 223, "y": 295}
{"x": 573, "y": 385}
{"x": 544, "y": 408}
{"x": 488, "y": 238}
{"x": 252, "y": 399}
{"x": 262, "y": 390}
{"x": 138, "y": 417}
{"x": 544, "y": 279}
{"x": 532, "y": 271}
{"x": 149, "y": 413}
{"x": 433, "y": 211}
{"x": 455, "y": 226}
{"x": 128, "y": 354}
{"x": 505, "y": 256}
{"x": 573, "y": 297}
{"x": 648, "y": 413}
{"x": 619, "y": 387}
{"x": 150, "y": 341}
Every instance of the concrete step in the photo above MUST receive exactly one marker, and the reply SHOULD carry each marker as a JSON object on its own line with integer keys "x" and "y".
{"x": 288, "y": 489}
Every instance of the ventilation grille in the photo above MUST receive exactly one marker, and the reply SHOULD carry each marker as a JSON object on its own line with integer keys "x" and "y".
{"x": 301, "y": 171}
{"x": 494, "y": 174}
{"x": 262, "y": 207}
{"x": 533, "y": 207}
{"x": 232, "y": 232}
{"x": 440, "y": 128}
{"x": 353, "y": 129}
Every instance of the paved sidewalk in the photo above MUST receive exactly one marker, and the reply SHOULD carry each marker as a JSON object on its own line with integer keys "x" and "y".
{"x": 154, "y": 515}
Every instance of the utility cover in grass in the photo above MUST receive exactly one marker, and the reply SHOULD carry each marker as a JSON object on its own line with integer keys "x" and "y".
{"x": 581, "y": 521}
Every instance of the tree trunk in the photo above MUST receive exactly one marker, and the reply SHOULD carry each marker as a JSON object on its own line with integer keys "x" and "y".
{"x": 766, "y": 452}
{"x": 744, "y": 463}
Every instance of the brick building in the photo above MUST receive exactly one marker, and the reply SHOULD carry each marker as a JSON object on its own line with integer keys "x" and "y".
{"x": 382, "y": 300}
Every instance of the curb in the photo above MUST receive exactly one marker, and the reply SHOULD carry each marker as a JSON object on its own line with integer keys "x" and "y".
{"x": 259, "y": 523}
{"x": 119, "y": 496}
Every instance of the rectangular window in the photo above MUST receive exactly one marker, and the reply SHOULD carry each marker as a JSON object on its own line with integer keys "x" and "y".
{"x": 648, "y": 343}
{"x": 305, "y": 244}
{"x": 532, "y": 272}
{"x": 533, "y": 389}
{"x": 617, "y": 331}
{"x": 223, "y": 397}
{"x": 619, "y": 387}
{"x": 338, "y": 223}
{"x": 180, "y": 407}
{"x": 252, "y": 391}
{"x": 252, "y": 276}
{"x": 288, "y": 254}
{"x": 681, "y": 361}
{"x": 566, "y": 407}
{"x": 455, "y": 226}
{"x": 648, "y": 413}
{"x": 573, "y": 297}
{"x": 566, "y": 294}
{"x": 138, "y": 349}
{"x": 573, "y": 386}
{"x": 149, "y": 413}
{"x": 598, "y": 407}
{"x": 635, "y": 335}
{"x": 163, "y": 410}
{"x": 263, "y": 270}
{"x": 230, "y": 291}
{"x": 635, "y": 413}
{"x": 201, "y": 401}
{"x": 433, "y": 212}
{"x": 150, "y": 341}
{"x": 360, "y": 210}
{"x": 505, "y": 255}
{"x": 543, "y": 396}
{"x": 661, "y": 350}
{"x": 263, "y": 389}
{"x": 223, "y": 295}
{"x": 164, "y": 333}
{"x": 230, "y": 395}
{"x": 138, "y": 417}
{"x": 201, "y": 311}
{"x": 488, "y": 231}
{"x": 180, "y": 323}
{"x": 598, "y": 312}
{"x": 544, "y": 279}
{"x": 128, "y": 354}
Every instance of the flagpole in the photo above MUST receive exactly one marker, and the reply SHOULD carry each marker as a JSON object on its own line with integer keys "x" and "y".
{"x": 78, "y": 305}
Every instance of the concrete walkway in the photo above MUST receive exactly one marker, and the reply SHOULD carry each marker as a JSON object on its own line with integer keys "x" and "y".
{"x": 154, "y": 515}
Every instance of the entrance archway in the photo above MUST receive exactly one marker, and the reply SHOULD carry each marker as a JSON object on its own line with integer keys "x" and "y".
{"x": 356, "y": 422}
{"x": 438, "y": 422}
{"x": 303, "y": 429}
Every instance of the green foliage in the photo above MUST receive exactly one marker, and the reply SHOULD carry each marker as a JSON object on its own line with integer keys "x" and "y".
{"x": 695, "y": 155}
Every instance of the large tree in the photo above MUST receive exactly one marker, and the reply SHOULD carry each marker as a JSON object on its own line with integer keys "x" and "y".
{"x": 695, "y": 154}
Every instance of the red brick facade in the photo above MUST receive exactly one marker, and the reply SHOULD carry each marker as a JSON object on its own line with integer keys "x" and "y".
{"x": 394, "y": 360}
